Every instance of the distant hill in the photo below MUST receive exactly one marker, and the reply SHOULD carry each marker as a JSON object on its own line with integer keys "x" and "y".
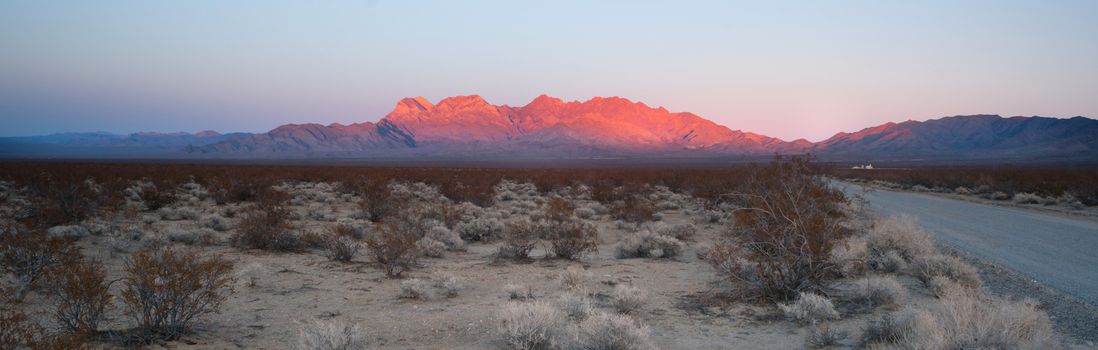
{"x": 468, "y": 127}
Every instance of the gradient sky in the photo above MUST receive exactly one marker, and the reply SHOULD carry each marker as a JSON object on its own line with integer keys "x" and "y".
{"x": 784, "y": 69}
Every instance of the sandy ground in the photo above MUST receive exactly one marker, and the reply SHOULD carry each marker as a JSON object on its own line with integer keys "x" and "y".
{"x": 299, "y": 287}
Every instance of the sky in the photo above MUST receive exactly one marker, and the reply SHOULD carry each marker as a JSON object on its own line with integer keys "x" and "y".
{"x": 787, "y": 69}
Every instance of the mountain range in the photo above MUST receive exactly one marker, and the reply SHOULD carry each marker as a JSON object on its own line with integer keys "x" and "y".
{"x": 468, "y": 127}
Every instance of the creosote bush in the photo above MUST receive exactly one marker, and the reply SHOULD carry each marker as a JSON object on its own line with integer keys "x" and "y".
{"x": 30, "y": 254}
{"x": 393, "y": 248}
{"x": 266, "y": 224}
{"x": 164, "y": 290}
{"x": 571, "y": 238}
{"x": 786, "y": 222}
{"x": 341, "y": 248}
{"x": 80, "y": 295}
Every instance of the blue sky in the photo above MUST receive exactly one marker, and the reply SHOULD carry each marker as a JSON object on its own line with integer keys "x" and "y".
{"x": 785, "y": 69}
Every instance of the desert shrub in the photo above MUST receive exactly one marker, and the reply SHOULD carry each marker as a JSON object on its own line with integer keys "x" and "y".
{"x": 480, "y": 229}
{"x": 177, "y": 213}
{"x": 451, "y": 285}
{"x": 575, "y": 306}
{"x": 393, "y": 248}
{"x": 452, "y": 240}
{"x": 80, "y": 295}
{"x": 878, "y": 290}
{"x": 895, "y": 242}
{"x": 18, "y": 332}
{"x": 946, "y": 266}
{"x": 570, "y": 238}
{"x": 430, "y": 247}
{"x": 680, "y": 232}
{"x": 265, "y": 225}
{"x": 192, "y": 236}
{"x": 333, "y": 335}
{"x": 646, "y": 244}
{"x": 519, "y": 241}
{"x": 810, "y": 308}
{"x": 559, "y": 209}
{"x": 29, "y": 255}
{"x": 217, "y": 223}
{"x": 377, "y": 201}
{"x": 154, "y": 199}
{"x": 70, "y": 232}
{"x": 1027, "y": 198}
{"x": 415, "y": 288}
{"x": 905, "y": 329}
{"x": 605, "y": 331}
{"x": 628, "y": 299}
{"x": 164, "y": 290}
{"x": 518, "y": 291}
{"x": 823, "y": 335}
{"x": 346, "y": 230}
{"x": 786, "y": 223}
{"x": 634, "y": 208}
{"x": 573, "y": 278}
{"x": 585, "y": 213}
{"x": 341, "y": 248}
{"x": 531, "y": 326}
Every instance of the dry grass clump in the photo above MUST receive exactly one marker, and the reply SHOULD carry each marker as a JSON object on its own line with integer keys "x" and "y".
{"x": 532, "y": 326}
{"x": 575, "y": 306}
{"x": 895, "y": 242}
{"x": 452, "y": 240}
{"x": 415, "y": 288}
{"x": 518, "y": 291}
{"x": 607, "y": 331}
{"x": 430, "y": 247}
{"x": 393, "y": 248}
{"x": 192, "y": 236}
{"x": 787, "y": 222}
{"x": 810, "y": 308}
{"x": 851, "y": 256}
{"x": 682, "y": 232}
{"x": 451, "y": 285}
{"x": 80, "y": 295}
{"x": 541, "y": 325}
{"x": 165, "y": 289}
{"x": 628, "y": 299}
{"x": 964, "y": 319}
{"x": 877, "y": 291}
{"x": 573, "y": 278}
{"x": 823, "y": 336}
{"x": 953, "y": 268}
{"x": 648, "y": 244}
{"x": 333, "y": 335}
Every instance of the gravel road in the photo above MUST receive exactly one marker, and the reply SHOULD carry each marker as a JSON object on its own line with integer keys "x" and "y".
{"x": 1057, "y": 251}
